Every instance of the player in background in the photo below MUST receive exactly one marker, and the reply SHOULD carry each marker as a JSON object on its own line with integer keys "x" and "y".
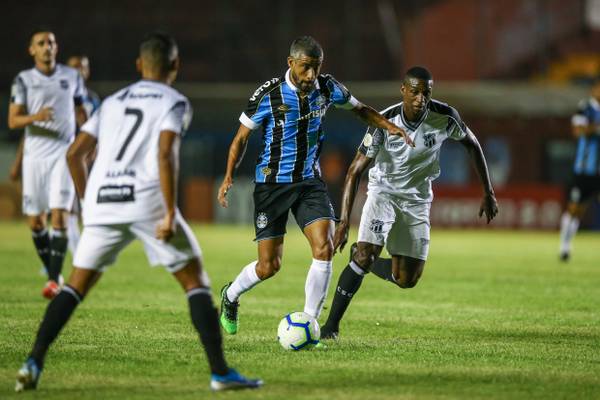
{"x": 396, "y": 213}
{"x": 46, "y": 100}
{"x": 586, "y": 170}
{"x": 91, "y": 102}
{"x": 130, "y": 194}
{"x": 290, "y": 109}
{"x": 81, "y": 62}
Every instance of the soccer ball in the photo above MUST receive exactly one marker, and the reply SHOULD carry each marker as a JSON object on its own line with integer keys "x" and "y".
{"x": 298, "y": 331}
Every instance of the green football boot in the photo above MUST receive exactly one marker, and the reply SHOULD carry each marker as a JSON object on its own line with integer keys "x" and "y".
{"x": 229, "y": 312}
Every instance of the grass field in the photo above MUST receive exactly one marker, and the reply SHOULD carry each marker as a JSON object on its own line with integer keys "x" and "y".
{"x": 495, "y": 316}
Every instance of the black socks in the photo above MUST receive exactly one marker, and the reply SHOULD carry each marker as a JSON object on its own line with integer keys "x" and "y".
{"x": 206, "y": 321}
{"x": 41, "y": 240}
{"x": 348, "y": 284}
{"x": 57, "y": 315}
{"x": 58, "y": 249}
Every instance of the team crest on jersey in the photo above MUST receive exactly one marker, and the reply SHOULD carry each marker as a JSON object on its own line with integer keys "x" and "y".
{"x": 429, "y": 139}
{"x": 283, "y": 108}
{"x": 262, "y": 220}
{"x": 320, "y": 101}
{"x": 376, "y": 226}
{"x": 64, "y": 84}
{"x": 266, "y": 171}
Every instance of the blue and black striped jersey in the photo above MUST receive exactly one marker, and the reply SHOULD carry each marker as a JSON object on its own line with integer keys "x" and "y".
{"x": 587, "y": 158}
{"x": 293, "y": 135}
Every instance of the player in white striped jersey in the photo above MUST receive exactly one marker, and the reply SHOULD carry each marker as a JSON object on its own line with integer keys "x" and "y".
{"x": 396, "y": 213}
{"x": 46, "y": 100}
{"x": 130, "y": 194}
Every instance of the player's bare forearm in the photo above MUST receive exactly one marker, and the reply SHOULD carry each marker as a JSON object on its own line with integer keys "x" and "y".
{"x": 355, "y": 171}
{"x": 372, "y": 118}
{"x": 168, "y": 144}
{"x": 16, "y": 168}
{"x": 489, "y": 204}
{"x": 76, "y": 160}
{"x": 19, "y": 119}
{"x": 234, "y": 158}
{"x": 237, "y": 149}
{"x": 476, "y": 154}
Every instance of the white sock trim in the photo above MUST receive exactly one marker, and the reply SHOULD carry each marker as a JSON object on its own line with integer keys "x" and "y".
{"x": 200, "y": 290}
{"x": 245, "y": 281}
{"x": 359, "y": 271}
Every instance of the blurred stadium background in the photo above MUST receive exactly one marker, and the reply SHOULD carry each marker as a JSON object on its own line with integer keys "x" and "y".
{"x": 515, "y": 69}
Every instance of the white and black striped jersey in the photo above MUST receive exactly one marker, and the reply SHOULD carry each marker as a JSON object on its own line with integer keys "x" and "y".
{"x": 62, "y": 91}
{"x": 404, "y": 171}
{"x": 124, "y": 184}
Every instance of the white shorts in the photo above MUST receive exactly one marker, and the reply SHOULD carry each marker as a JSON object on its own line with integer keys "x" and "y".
{"x": 100, "y": 245}
{"x": 47, "y": 185}
{"x": 403, "y": 227}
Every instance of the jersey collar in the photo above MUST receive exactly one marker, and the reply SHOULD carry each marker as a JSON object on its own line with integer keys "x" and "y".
{"x": 40, "y": 73}
{"x": 413, "y": 125}
{"x": 288, "y": 80}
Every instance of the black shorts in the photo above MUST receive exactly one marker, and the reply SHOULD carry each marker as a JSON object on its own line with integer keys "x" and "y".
{"x": 583, "y": 188}
{"x": 308, "y": 201}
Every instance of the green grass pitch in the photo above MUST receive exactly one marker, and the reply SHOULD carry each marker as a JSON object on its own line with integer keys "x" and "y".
{"x": 495, "y": 316}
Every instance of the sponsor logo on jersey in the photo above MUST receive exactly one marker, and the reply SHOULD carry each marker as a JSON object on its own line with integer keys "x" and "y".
{"x": 313, "y": 114}
{"x": 284, "y": 108}
{"x": 115, "y": 194}
{"x": 263, "y": 87}
{"x": 118, "y": 174}
{"x": 64, "y": 84}
{"x": 262, "y": 220}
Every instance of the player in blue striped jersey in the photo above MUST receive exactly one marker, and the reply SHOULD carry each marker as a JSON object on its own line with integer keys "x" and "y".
{"x": 586, "y": 180}
{"x": 290, "y": 111}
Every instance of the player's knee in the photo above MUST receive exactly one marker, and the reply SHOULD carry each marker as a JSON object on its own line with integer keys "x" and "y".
{"x": 364, "y": 259}
{"x": 323, "y": 251}
{"x": 267, "y": 268}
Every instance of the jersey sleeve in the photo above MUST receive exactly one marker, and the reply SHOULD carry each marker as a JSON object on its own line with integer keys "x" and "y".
{"x": 259, "y": 108}
{"x": 581, "y": 117}
{"x": 80, "y": 91}
{"x": 18, "y": 91}
{"x": 456, "y": 128}
{"x": 92, "y": 124}
{"x": 341, "y": 96}
{"x": 178, "y": 118}
{"x": 372, "y": 141}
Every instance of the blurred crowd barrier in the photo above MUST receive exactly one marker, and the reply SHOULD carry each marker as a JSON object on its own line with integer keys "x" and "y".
{"x": 524, "y": 130}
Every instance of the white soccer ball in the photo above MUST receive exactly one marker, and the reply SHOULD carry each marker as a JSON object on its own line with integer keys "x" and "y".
{"x": 298, "y": 331}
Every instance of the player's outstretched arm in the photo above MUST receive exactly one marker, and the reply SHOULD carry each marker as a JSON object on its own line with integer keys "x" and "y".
{"x": 355, "y": 171}
{"x": 16, "y": 168}
{"x": 489, "y": 205}
{"x": 19, "y": 119}
{"x": 236, "y": 154}
{"x": 76, "y": 160}
{"x": 168, "y": 149}
{"x": 371, "y": 117}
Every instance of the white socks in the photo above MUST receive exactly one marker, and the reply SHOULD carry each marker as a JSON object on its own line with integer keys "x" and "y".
{"x": 568, "y": 229}
{"x": 317, "y": 283}
{"x": 73, "y": 231}
{"x": 245, "y": 281}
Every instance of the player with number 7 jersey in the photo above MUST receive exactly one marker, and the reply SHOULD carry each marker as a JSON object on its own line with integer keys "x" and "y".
{"x": 124, "y": 184}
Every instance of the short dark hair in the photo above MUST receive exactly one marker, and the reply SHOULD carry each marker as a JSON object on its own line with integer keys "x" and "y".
{"x": 306, "y": 46}
{"x": 418, "y": 72}
{"x": 39, "y": 29}
{"x": 159, "y": 49}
